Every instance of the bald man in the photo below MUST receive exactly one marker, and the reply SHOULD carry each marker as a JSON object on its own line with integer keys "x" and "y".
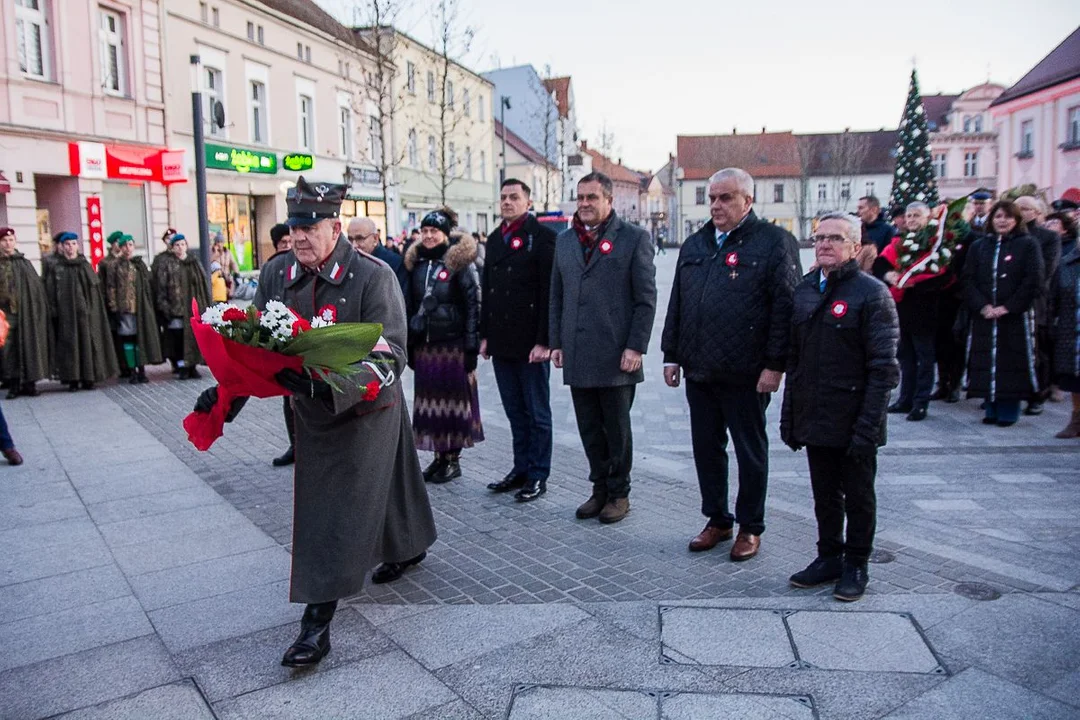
{"x": 364, "y": 236}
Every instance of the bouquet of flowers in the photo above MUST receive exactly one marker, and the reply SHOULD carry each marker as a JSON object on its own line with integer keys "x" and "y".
{"x": 927, "y": 253}
{"x": 246, "y": 349}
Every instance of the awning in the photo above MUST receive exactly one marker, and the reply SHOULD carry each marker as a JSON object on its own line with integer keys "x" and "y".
{"x": 5, "y": 186}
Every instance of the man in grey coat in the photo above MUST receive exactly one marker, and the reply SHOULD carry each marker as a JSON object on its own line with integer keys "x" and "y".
{"x": 603, "y": 300}
{"x": 360, "y": 497}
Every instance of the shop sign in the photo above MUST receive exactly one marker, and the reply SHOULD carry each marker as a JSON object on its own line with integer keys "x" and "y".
{"x": 297, "y": 162}
{"x": 126, "y": 162}
{"x": 239, "y": 160}
{"x": 363, "y": 176}
{"x": 93, "y": 222}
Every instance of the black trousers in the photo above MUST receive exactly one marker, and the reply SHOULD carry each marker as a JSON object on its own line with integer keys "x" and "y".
{"x": 843, "y": 486}
{"x": 916, "y": 357}
{"x": 715, "y": 411}
{"x": 290, "y": 420}
{"x": 603, "y": 419}
{"x": 948, "y": 348}
{"x": 1044, "y": 338}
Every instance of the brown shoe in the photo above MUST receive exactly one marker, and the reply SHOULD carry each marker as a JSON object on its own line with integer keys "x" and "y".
{"x": 13, "y": 457}
{"x": 615, "y": 510}
{"x": 709, "y": 538}
{"x": 746, "y": 546}
{"x": 1071, "y": 430}
{"x": 592, "y": 507}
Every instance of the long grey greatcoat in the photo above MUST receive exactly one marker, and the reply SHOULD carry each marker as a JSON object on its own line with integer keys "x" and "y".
{"x": 359, "y": 492}
{"x": 604, "y": 307}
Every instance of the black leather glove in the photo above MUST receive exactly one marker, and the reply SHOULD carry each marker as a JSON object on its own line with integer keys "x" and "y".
{"x": 861, "y": 450}
{"x": 470, "y": 361}
{"x": 208, "y": 399}
{"x": 304, "y": 385}
{"x": 785, "y": 436}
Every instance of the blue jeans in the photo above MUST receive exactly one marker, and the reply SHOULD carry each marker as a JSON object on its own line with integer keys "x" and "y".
{"x": 526, "y": 397}
{"x": 6, "y": 443}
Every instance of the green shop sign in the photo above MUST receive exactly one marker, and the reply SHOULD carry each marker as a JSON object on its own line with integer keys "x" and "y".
{"x": 239, "y": 160}
{"x": 297, "y": 162}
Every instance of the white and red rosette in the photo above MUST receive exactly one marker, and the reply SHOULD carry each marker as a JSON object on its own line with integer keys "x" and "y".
{"x": 606, "y": 247}
{"x": 838, "y": 309}
{"x": 328, "y": 313}
{"x": 443, "y": 275}
{"x": 732, "y": 259}
{"x": 515, "y": 243}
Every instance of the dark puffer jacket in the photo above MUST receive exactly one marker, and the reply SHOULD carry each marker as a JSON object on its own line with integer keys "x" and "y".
{"x": 729, "y": 315}
{"x": 1066, "y": 310}
{"x": 453, "y": 313}
{"x": 842, "y": 362}
{"x": 1002, "y": 272}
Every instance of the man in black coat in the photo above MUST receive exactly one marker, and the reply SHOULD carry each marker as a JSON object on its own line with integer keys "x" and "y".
{"x": 1034, "y": 212}
{"x": 840, "y": 370}
{"x": 728, "y": 326}
{"x": 514, "y": 320}
{"x": 876, "y": 226}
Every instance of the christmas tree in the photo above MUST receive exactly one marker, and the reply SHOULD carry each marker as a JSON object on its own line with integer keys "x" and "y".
{"x": 913, "y": 178}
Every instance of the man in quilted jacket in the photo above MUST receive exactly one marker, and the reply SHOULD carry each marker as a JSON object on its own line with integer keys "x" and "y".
{"x": 728, "y": 328}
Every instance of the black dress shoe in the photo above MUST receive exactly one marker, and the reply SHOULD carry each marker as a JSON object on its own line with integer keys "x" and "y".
{"x": 286, "y": 458}
{"x": 954, "y": 397}
{"x": 511, "y": 482}
{"x": 391, "y": 571}
{"x": 1034, "y": 407}
{"x": 73, "y": 386}
{"x": 532, "y": 490}
{"x": 940, "y": 394}
{"x": 917, "y": 414}
{"x": 897, "y": 408}
{"x": 313, "y": 642}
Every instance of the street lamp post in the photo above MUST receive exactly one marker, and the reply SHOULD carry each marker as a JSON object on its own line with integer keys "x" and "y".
{"x": 200, "y": 162}
{"x": 504, "y": 105}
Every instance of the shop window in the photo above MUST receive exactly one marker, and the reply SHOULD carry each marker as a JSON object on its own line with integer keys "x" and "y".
{"x": 232, "y": 221}
{"x": 111, "y": 42}
{"x": 307, "y": 123}
{"x": 258, "y": 113}
{"x": 213, "y": 92}
{"x": 32, "y": 38}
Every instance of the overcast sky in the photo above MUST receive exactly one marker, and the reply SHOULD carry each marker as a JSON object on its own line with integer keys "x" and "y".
{"x": 654, "y": 69}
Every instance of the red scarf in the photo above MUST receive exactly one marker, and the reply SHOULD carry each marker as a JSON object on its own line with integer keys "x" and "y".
{"x": 589, "y": 238}
{"x": 509, "y": 230}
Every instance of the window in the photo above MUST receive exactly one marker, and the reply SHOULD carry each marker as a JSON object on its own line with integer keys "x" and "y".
{"x": 468, "y": 163}
{"x": 466, "y": 104}
{"x": 32, "y": 38}
{"x": 430, "y": 86}
{"x": 204, "y": 12}
{"x": 845, "y": 191}
{"x": 257, "y": 100}
{"x": 483, "y": 166}
{"x": 299, "y": 51}
{"x": 971, "y": 164}
{"x": 216, "y": 17}
{"x": 414, "y": 154}
{"x": 822, "y": 192}
{"x": 307, "y": 54}
{"x": 432, "y": 161}
{"x": 260, "y": 35}
{"x": 777, "y": 193}
{"x": 869, "y": 188}
{"x": 451, "y": 164}
{"x": 967, "y": 123}
{"x": 939, "y": 165}
{"x": 307, "y": 123}
{"x": 977, "y": 125}
{"x": 449, "y": 94}
{"x": 111, "y": 37}
{"x": 480, "y": 108}
{"x": 410, "y": 77}
{"x": 1027, "y": 138}
{"x": 375, "y": 133}
{"x": 345, "y": 132}
{"x": 214, "y": 92}
{"x": 699, "y": 196}
{"x": 251, "y": 31}
{"x": 1072, "y": 128}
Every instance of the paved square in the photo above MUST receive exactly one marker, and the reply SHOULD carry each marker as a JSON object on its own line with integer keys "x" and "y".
{"x": 719, "y": 636}
{"x": 699, "y": 706}
{"x": 544, "y": 703}
{"x": 863, "y": 641}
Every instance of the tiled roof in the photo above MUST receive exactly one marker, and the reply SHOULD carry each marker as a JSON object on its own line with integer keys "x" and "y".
{"x": 526, "y": 150}
{"x": 872, "y": 150}
{"x": 760, "y": 154}
{"x": 1062, "y": 64}
{"x": 615, "y": 171}
{"x": 937, "y": 109}
{"x": 307, "y": 12}
{"x": 561, "y": 87}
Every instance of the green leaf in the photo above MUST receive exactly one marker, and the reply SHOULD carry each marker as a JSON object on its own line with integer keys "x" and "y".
{"x": 337, "y": 346}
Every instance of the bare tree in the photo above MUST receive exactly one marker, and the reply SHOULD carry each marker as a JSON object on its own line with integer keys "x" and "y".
{"x": 846, "y": 155}
{"x": 453, "y": 39}
{"x": 548, "y": 125}
{"x": 806, "y": 148}
{"x": 606, "y": 144}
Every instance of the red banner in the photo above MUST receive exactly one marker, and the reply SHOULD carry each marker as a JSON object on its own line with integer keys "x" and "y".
{"x": 126, "y": 162}
{"x": 93, "y": 222}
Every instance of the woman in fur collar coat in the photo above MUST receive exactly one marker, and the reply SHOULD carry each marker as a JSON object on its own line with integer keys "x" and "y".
{"x": 444, "y": 318}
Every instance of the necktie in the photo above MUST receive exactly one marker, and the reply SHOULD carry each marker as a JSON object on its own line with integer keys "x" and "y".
{"x": 720, "y": 239}
{"x": 821, "y": 285}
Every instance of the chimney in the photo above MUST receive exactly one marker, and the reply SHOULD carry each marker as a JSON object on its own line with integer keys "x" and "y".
{"x": 735, "y": 131}
{"x": 584, "y": 145}
{"x": 762, "y": 129}
{"x": 619, "y": 161}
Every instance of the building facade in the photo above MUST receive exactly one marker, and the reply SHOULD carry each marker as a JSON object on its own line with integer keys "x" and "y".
{"x": 83, "y": 122}
{"x": 626, "y": 184}
{"x": 963, "y": 142}
{"x": 562, "y": 90}
{"x": 838, "y": 169}
{"x": 1037, "y": 122}
{"x": 283, "y": 95}
{"x": 530, "y": 166}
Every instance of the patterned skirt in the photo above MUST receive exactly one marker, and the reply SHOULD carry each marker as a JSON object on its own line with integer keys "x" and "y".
{"x": 446, "y": 406}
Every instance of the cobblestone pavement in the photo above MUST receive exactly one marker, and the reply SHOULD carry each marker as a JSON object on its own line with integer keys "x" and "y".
{"x": 958, "y": 502}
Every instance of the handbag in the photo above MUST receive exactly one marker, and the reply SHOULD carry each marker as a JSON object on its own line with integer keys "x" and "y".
{"x": 418, "y": 323}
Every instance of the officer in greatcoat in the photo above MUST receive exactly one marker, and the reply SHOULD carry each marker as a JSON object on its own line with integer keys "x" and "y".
{"x": 360, "y": 498}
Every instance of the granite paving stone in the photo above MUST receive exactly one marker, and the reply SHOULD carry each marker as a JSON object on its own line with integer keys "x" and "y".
{"x": 720, "y": 636}
{"x": 542, "y": 703}
{"x": 865, "y": 641}
{"x": 978, "y": 694}
{"x": 746, "y": 706}
{"x": 176, "y": 701}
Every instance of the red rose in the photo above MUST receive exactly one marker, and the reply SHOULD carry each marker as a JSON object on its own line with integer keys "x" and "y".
{"x": 949, "y": 235}
{"x": 234, "y": 314}
{"x": 301, "y": 325}
{"x": 371, "y": 391}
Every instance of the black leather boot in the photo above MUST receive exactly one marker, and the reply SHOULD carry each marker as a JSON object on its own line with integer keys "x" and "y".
{"x": 450, "y": 469}
{"x": 435, "y": 467}
{"x": 391, "y": 571}
{"x": 286, "y": 458}
{"x": 313, "y": 642}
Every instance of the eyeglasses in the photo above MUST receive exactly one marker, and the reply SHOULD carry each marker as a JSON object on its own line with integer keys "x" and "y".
{"x": 832, "y": 239}
{"x": 360, "y": 238}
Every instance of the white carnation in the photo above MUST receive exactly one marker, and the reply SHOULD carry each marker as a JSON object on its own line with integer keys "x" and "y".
{"x": 212, "y": 315}
{"x": 318, "y": 322}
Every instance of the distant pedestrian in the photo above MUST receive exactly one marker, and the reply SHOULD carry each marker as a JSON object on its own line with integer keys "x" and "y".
{"x": 728, "y": 328}
{"x": 1065, "y": 309}
{"x": 603, "y": 302}
{"x": 26, "y": 356}
{"x": 180, "y": 280}
{"x": 660, "y": 245}
{"x": 1002, "y": 278}
{"x": 874, "y": 223}
{"x": 514, "y": 317}
{"x": 444, "y": 342}
{"x": 840, "y": 369}
{"x": 129, "y": 300}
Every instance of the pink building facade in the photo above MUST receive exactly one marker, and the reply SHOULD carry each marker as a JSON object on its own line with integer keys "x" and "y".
{"x": 1037, "y": 122}
{"x": 82, "y": 122}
